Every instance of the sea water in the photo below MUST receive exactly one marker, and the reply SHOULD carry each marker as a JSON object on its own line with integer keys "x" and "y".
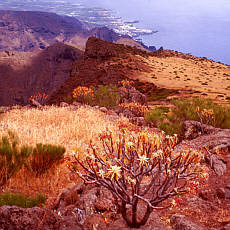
{"x": 199, "y": 27}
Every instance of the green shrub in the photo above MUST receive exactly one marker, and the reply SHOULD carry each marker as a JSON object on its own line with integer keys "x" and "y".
{"x": 187, "y": 110}
{"x": 45, "y": 157}
{"x": 21, "y": 200}
{"x": 12, "y": 158}
{"x": 105, "y": 95}
{"x": 68, "y": 99}
{"x": 170, "y": 128}
{"x": 156, "y": 115}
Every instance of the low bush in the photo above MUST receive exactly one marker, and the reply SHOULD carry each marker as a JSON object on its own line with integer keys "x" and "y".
{"x": 45, "y": 157}
{"x": 40, "y": 98}
{"x": 12, "y": 158}
{"x": 103, "y": 95}
{"x": 197, "y": 109}
{"x": 83, "y": 94}
{"x": 136, "y": 108}
{"x": 140, "y": 167}
{"x": 106, "y": 95}
{"x": 187, "y": 110}
{"x": 156, "y": 115}
{"x": 21, "y": 200}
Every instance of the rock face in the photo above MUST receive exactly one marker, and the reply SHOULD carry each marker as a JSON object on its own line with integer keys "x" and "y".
{"x": 216, "y": 140}
{"x": 23, "y": 74}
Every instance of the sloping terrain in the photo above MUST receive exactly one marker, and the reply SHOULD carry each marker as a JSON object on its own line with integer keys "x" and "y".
{"x": 199, "y": 76}
{"x": 175, "y": 73}
{"x": 105, "y": 63}
{"x": 32, "y": 30}
{"x": 23, "y": 74}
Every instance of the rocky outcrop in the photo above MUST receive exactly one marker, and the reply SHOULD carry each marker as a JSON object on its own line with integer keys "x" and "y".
{"x": 200, "y": 135}
{"x": 99, "y": 49}
{"x": 129, "y": 95}
{"x": 215, "y": 140}
{"x": 93, "y": 204}
{"x": 103, "y": 63}
{"x": 15, "y": 218}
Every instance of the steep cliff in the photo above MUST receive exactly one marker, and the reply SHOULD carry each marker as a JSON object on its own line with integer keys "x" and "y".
{"x": 23, "y": 74}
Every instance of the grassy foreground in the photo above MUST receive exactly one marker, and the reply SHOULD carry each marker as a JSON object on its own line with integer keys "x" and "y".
{"x": 53, "y": 125}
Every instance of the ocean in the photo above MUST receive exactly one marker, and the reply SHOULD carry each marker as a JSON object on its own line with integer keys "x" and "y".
{"x": 199, "y": 27}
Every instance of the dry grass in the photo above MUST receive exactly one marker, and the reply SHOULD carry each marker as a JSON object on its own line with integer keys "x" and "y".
{"x": 53, "y": 125}
{"x": 205, "y": 76}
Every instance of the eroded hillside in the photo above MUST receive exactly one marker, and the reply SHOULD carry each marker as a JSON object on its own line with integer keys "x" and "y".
{"x": 23, "y": 74}
{"x": 163, "y": 72}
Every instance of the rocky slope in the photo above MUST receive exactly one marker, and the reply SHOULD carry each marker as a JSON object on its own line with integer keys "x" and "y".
{"x": 23, "y": 74}
{"x": 105, "y": 63}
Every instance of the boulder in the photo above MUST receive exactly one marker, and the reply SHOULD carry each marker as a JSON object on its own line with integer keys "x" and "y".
{"x": 104, "y": 110}
{"x": 197, "y": 136}
{"x": 226, "y": 227}
{"x": 223, "y": 193}
{"x": 69, "y": 196}
{"x": 181, "y": 222}
{"x": 201, "y": 135}
{"x": 217, "y": 164}
{"x": 129, "y": 95}
{"x": 127, "y": 113}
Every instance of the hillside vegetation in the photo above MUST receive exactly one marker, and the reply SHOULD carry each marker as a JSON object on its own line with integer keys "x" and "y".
{"x": 109, "y": 133}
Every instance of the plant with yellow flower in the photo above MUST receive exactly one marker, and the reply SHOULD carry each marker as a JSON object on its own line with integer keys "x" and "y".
{"x": 139, "y": 167}
{"x": 206, "y": 116}
{"x": 136, "y": 108}
{"x": 82, "y": 93}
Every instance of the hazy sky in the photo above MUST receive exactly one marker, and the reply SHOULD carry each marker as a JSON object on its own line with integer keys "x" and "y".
{"x": 201, "y": 27}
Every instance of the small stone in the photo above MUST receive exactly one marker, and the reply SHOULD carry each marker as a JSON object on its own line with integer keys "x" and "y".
{"x": 227, "y": 193}
{"x": 220, "y": 192}
{"x": 76, "y": 103}
{"x": 103, "y": 109}
{"x": 226, "y": 227}
{"x": 64, "y": 104}
{"x": 183, "y": 223}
